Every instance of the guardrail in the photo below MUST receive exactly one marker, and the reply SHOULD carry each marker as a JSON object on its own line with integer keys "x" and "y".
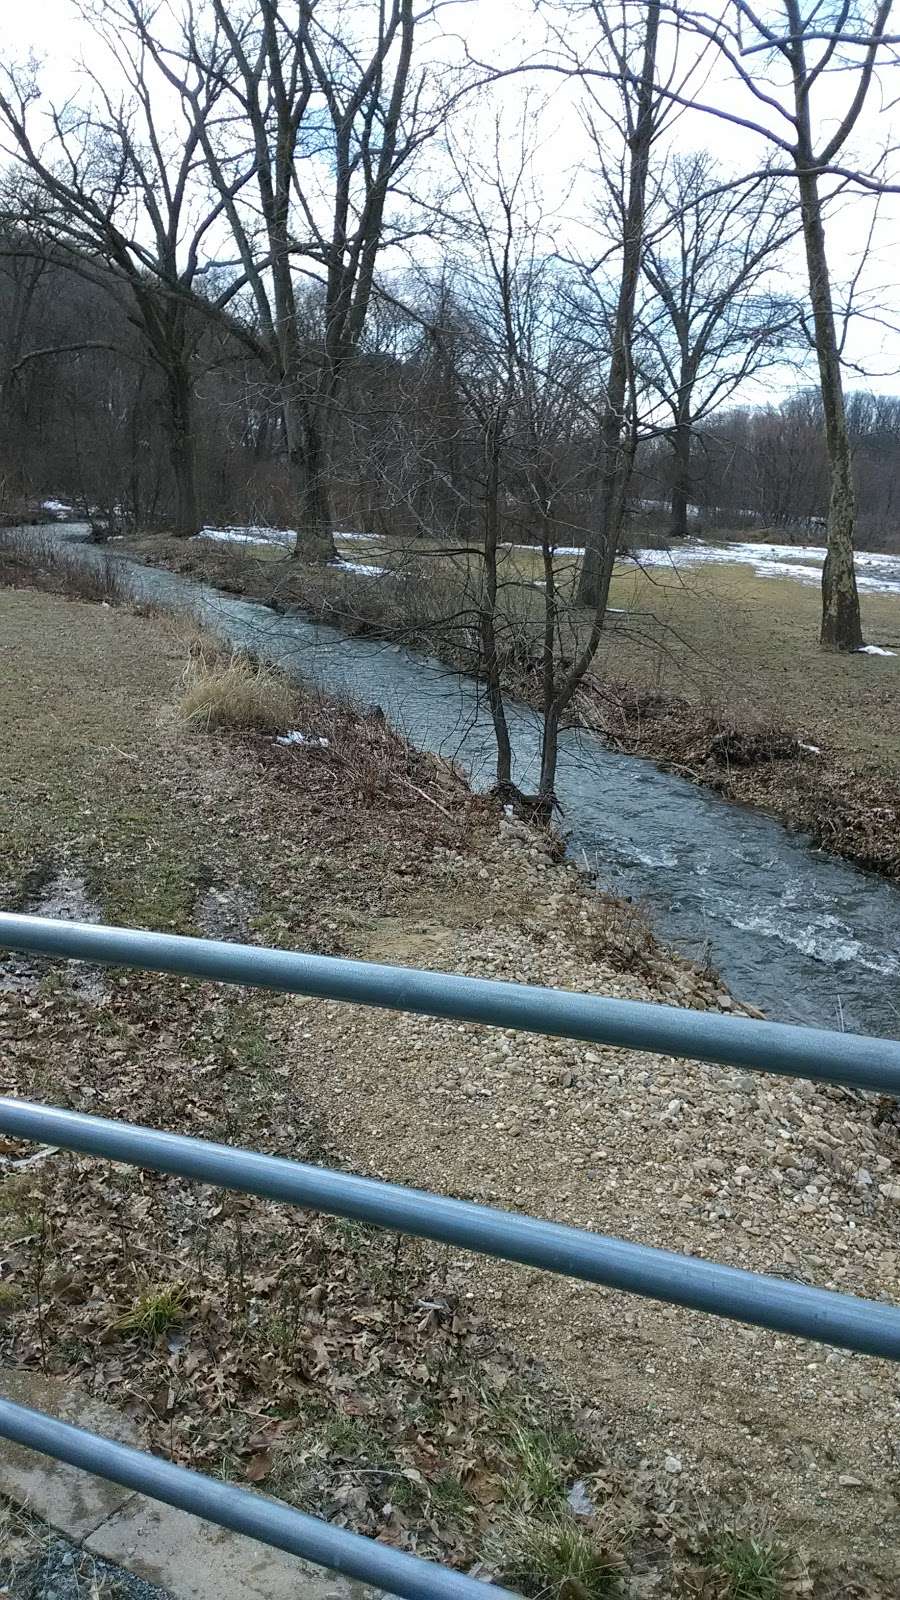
{"x": 861, "y": 1325}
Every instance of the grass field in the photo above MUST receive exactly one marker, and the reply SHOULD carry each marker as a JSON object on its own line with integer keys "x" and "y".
{"x": 726, "y": 637}
{"x": 741, "y": 646}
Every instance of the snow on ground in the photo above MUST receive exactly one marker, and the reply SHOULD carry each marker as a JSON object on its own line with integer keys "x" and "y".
{"x": 58, "y": 507}
{"x": 249, "y": 535}
{"x": 874, "y": 650}
{"x": 255, "y": 534}
{"x": 362, "y": 567}
{"x": 875, "y": 572}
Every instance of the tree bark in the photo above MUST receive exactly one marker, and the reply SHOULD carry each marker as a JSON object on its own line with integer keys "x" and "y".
{"x": 182, "y": 452}
{"x": 600, "y": 545}
{"x": 841, "y": 626}
{"x": 681, "y": 485}
{"x": 306, "y": 458}
{"x": 488, "y": 636}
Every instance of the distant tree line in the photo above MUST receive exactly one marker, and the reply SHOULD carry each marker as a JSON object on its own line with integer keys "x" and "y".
{"x": 767, "y": 467}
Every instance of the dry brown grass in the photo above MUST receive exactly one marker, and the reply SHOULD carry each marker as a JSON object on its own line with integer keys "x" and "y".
{"x": 230, "y": 691}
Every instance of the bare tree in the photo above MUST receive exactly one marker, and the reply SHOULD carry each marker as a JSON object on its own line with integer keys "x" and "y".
{"x": 629, "y": 60}
{"x": 795, "y": 113}
{"x": 713, "y": 320}
{"x": 113, "y": 187}
{"x": 531, "y": 387}
{"x": 323, "y": 98}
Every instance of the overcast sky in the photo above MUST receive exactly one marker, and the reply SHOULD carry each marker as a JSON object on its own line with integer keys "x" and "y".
{"x": 501, "y": 31}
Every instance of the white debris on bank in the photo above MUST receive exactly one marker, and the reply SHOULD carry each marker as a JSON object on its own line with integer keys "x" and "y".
{"x": 294, "y": 736}
{"x": 874, "y": 650}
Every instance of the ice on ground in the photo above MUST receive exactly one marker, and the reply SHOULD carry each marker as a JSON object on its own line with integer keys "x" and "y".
{"x": 874, "y": 650}
{"x": 225, "y": 912}
{"x": 295, "y": 736}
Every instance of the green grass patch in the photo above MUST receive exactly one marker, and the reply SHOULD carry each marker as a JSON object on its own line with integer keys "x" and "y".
{"x": 156, "y": 1310}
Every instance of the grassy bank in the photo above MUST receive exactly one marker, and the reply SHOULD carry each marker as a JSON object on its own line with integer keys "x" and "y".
{"x": 432, "y": 1399}
{"x": 713, "y": 671}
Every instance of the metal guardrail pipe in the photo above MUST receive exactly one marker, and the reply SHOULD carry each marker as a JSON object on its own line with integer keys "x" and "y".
{"x": 776, "y": 1303}
{"x": 267, "y": 1520}
{"x": 860, "y": 1062}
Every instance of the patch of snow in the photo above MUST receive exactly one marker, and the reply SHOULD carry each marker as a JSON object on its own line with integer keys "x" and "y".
{"x": 558, "y": 550}
{"x": 341, "y": 534}
{"x": 55, "y": 506}
{"x": 874, "y": 650}
{"x": 249, "y": 535}
{"x": 876, "y": 572}
{"x": 362, "y": 567}
{"x": 294, "y": 736}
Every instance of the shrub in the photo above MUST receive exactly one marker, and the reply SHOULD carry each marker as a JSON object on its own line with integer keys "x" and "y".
{"x": 35, "y": 560}
{"x": 233, "y": 692}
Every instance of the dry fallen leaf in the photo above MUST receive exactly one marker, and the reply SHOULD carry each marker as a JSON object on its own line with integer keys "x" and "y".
{"x": 258, "y": 1467}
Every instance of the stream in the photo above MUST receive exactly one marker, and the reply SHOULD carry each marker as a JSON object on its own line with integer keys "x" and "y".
{"x": 805, "y": 936}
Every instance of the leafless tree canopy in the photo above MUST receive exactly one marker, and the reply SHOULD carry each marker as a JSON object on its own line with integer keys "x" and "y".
{"x": 300, "y": 262}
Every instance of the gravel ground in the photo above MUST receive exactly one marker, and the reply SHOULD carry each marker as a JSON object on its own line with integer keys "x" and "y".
{"x": 771, "y": 1174}
{"x": 60, "y": 1571}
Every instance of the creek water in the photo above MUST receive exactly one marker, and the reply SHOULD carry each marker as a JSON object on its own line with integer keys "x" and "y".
{"x": 804, "y": 935}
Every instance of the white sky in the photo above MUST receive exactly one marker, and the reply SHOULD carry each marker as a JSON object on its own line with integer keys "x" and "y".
{"x": 501, "y": 31}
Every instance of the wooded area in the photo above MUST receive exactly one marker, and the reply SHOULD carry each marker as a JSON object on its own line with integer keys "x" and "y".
{"x": 299, "y": 264}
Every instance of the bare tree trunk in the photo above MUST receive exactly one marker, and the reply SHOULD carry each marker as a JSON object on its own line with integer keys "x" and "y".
{"x": 487, "y": 630}
{"x": 841, "y": 626}
{"x": 600, "y": 546}
{"x": 681, "y": 485}
{"x": 550, "y": 731}
{"x": 182, "y": 455}
{"x": 306, "y": 457}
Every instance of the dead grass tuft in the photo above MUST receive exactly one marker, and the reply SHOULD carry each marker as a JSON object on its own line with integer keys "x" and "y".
{"x": 230, "y": 691}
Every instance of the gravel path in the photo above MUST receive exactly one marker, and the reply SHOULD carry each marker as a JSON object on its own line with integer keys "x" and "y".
{"x": 760, "y": 1172}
